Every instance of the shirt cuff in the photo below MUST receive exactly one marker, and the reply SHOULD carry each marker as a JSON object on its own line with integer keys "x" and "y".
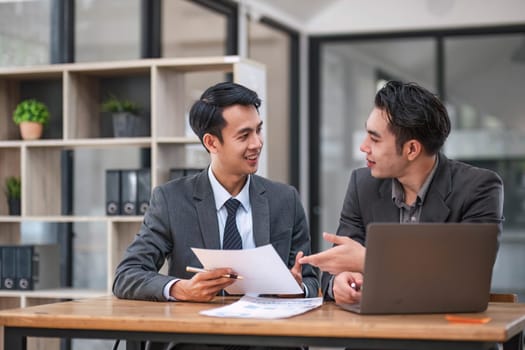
{"x": 166, "y": 290}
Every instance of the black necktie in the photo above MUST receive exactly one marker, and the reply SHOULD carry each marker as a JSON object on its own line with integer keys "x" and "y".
{"x": 232, "y": 238}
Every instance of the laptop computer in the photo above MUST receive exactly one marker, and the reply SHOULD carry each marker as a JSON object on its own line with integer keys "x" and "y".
{"x": 427, "y": 268}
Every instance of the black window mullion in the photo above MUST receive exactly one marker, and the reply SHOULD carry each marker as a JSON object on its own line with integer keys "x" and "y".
{"x": 440, "y": 67}
{"x": 314, "y": 135}
{"x": 62, "y": 33}
{"x": 150, "y": 31}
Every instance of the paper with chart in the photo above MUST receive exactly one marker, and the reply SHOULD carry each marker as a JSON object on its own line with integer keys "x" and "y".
{"x": 259, "y": 307}
{"x": 262, "y": 270}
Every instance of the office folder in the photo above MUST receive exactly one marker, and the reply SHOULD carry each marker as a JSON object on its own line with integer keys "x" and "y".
{"x": 8, "y": 267}
{"x": 143, "y": 190}
{"x": 113, "y": 192}
{"x": 128, "y": 192}
{"x": 37, "y": 266}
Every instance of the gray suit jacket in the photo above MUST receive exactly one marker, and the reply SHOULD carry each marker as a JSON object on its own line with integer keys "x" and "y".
{"x": 182, "y": 215}
{"x": 458, "y": 193}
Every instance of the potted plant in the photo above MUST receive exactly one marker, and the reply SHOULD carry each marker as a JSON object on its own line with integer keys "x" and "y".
{"x": 13, "y": 192}
{"x": 31, "y": 115}
{"x": 127, "y": 121}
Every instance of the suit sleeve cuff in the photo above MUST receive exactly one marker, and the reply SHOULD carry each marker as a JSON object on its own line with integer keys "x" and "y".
{"x": 330, "y": 289}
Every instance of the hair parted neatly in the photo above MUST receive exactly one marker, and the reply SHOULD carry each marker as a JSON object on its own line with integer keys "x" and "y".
{"x": 206, "y": 113}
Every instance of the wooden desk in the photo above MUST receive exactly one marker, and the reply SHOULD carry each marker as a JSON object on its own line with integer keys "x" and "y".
{"x": 108, "y": 317}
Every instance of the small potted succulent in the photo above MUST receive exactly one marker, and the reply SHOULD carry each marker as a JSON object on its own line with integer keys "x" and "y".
{"x": 127, "y": 120}
{"x": 31, "y": 116}
{"x": 13, "y": 192}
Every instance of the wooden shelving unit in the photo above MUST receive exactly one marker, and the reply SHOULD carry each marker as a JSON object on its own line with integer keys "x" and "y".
{"x": 73, "y": 93}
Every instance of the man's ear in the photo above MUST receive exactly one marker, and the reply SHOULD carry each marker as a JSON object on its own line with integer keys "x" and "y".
{"x": 413, "y": 149}
{"x": 210, "y": 142}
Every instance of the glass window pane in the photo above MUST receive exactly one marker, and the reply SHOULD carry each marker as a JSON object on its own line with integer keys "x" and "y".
{"x": 484, "y": 85}
{"x": 272, "y": 47}
{"x": 24, "y": 33}
{"x": 107, "y": 30}
{"x": 350, "y": 75}
{"x": 191, "y": 30}
{"x": 484, "y": 89}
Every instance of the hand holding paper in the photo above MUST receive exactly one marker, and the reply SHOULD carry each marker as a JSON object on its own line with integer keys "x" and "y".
{"x": 262, "y": 269}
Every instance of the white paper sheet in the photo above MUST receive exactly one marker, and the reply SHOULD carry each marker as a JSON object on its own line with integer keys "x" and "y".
{"x": 262, "y": 270}
{"x": 268, "y": 308}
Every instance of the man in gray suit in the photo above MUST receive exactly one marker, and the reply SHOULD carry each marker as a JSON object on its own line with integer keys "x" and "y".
{"x": 407, "y": 180}
{"x": 194, "y": 211}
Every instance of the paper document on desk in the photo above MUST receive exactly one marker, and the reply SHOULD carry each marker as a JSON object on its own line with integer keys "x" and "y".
{"x": 261, "y": 268}
{"x": 259, "y": 307}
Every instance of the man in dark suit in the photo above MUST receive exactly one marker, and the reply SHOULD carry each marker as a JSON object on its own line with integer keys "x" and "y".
{"x": 193, "y": 211}
{"x": 407, "y": 180}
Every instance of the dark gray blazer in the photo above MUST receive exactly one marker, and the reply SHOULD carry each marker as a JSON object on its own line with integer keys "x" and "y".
{"x": 458, "y": 193}
{"x": 182, "y": 215}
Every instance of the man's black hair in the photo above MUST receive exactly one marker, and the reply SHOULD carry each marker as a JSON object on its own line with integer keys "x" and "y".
{"x": 414, "y": 113}
{"x": 206, "y": 113}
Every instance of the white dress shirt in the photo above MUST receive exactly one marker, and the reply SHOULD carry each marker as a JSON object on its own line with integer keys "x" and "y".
{"x": 243, "y": 217}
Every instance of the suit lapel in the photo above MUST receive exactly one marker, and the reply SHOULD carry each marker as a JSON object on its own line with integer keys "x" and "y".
{"x": 260, "y": 213}
{"x": 206, "y": 211}
{"x": 384, "y": 210}
{"x": 435, "y": 209}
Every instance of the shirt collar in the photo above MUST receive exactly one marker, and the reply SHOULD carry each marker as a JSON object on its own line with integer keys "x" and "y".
{"x": 221, "y": 195}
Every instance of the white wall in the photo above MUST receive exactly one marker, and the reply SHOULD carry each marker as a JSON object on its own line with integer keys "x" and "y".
{"x": 349, "y": 16}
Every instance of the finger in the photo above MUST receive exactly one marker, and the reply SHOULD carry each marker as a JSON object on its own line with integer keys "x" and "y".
{"x": 309, "y": 259}
{"x": 305, "y": 260}
{"x": 343, "y": 293}
{"x": 335, "y": 239}
{"x": 299, "y": 255}
{"x": 322, "y": 261}
{"x": 297, "y": 266}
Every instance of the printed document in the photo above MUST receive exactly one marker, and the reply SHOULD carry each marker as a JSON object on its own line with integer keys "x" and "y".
{"x": 268, "y": 308}
{"x": 261, "y": 268}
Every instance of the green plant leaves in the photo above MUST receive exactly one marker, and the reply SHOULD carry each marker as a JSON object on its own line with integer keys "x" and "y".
{"x": 31, "y": 111}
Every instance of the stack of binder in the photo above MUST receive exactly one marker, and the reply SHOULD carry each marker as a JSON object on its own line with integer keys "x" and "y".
{"x": 128, "y": 191}
{"x": 30, "y": 267}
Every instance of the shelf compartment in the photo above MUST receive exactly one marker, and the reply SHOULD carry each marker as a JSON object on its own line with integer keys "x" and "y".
{"x": 10, "y": 166}
{"x": 175, "y": 90}
{"x": 43, "y": 175}
{"x": 41, "y": 182}
{"x": 10, "y": 232}
{"x": 88, "y": 88}
{"x": 44, "y": 84}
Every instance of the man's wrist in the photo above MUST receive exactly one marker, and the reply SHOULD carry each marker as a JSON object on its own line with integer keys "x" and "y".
{"x": 169, "y": 290}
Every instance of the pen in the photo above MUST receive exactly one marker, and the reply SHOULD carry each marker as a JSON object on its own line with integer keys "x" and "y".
{"x": 198, "y": 269}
